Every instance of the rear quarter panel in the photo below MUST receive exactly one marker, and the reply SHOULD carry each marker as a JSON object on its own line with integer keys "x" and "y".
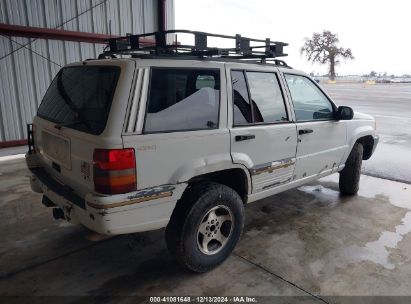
{"x": 174, "y": 157}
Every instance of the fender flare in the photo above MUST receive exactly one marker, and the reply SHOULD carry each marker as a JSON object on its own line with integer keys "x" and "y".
{"x": 207, "y": 165}
{"x": 358, "y": 133}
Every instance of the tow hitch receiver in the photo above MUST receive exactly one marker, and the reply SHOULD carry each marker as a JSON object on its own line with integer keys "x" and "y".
{"x": 58, "y": 214}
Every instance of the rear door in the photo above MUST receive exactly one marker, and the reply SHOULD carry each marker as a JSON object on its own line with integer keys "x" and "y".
{"x": 263, "y": 137}
{"x": 321, "y": 138}
{"x": 83, "y": 109}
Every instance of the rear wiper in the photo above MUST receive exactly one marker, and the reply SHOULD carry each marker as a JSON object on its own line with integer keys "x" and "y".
{"x": 69, "y": 123}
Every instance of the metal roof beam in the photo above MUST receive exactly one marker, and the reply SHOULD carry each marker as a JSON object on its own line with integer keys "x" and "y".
{"x": 57, "y": 34}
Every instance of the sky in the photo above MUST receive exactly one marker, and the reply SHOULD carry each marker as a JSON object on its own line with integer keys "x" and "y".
{"x": 378, "y": 32}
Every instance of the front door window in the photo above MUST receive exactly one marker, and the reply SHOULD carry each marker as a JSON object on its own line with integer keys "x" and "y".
{"x": 309, "y": 102}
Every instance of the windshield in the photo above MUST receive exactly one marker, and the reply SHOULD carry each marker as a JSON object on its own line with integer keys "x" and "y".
{"x": 80, "y": 98}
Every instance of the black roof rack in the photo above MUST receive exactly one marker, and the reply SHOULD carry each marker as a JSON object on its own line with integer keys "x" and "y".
{"x": 243, "y": 47}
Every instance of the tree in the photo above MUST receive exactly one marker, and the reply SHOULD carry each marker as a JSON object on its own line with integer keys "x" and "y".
{"x": 323, "y": 48}
{"x": 373, "y": 74}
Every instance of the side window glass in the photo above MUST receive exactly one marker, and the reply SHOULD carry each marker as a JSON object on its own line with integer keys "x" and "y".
{"x": 309, "y": 102}
{"x": 266, "y": 98}
{"x": 241, "y": 103}
{"x": 183, "y": 99}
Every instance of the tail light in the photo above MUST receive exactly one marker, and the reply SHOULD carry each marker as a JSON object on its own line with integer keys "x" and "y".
{"x": 114, "y": 171}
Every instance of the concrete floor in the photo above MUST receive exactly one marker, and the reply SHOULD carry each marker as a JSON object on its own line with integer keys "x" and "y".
{"x": 307, "y": 242}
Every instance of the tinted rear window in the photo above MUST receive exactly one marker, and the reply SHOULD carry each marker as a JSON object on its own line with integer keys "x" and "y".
{"x": 80, "y": 97}
{"x": 183, "y": 99}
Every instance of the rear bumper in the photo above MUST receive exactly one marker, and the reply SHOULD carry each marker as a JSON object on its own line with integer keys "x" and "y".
{"x": 143, "y": 210}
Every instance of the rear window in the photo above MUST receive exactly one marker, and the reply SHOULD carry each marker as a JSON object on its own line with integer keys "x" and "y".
{"x": 183, "y": 99}
{"x": 80, "y": 97}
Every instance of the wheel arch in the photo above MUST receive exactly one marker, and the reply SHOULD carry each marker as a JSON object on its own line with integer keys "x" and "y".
{"x": 367, "y": 142}
{"x": 236, "y": 178}
{"x": 361, "y": 133}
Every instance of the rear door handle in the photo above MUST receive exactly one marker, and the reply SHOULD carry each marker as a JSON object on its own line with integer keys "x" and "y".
{"x": 244, "y": 137}
{"x": 305, "y": 131}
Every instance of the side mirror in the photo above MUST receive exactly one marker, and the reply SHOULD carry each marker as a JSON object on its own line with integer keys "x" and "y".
{"x": 344, "y": 113}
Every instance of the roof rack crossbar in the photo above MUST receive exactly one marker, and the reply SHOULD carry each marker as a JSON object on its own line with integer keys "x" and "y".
{"x": 244, "y": 47}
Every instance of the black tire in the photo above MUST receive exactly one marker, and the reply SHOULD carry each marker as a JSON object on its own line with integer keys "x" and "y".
{"x": 182, "y": 233}
{"x": 350, "y": 175}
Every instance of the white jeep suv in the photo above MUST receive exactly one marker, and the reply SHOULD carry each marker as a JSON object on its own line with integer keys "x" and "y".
{"x": 184, "y": 138}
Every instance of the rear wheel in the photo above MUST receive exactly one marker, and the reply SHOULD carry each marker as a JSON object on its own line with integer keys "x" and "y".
{"x": 350, "y": 175}
{"x": 206, "y": 226}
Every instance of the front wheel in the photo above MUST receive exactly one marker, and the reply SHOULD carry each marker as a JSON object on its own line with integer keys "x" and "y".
{"x": 350, "y": 175}
{"x": 206, "y": 226}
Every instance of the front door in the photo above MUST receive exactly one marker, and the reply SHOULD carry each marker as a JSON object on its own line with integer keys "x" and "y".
{"x": 263, "y": 137}
{"x": 321, "y": 138}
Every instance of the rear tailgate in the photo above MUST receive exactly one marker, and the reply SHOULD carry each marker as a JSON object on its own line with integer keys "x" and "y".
{"x": 83, "y": 109}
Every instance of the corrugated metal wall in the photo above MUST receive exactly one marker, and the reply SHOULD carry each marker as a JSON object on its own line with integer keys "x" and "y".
{"x": 27, "y": 66}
